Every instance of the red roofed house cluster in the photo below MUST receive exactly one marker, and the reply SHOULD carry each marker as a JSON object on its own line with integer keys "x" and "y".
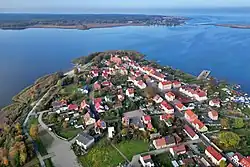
{"x": 214, "y": 155}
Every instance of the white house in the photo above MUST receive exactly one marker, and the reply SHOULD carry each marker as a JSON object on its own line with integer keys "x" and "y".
{"x": 176, "y": 84}
{"x": 84, "y": 140}
{"x": 130, "y": 92}
{"x": 200, "y": 95}
{"x": 214, "y": 103}
{"x": 157, "y": 99}
{"x": 111, "y": 131}
{"x": 146, "y": 161}
{"x": 190, "y": 132}
{"x": 167, "y": 108}
{"x": 140, "y": 84}
{"x": 214, "y": 155}
{"x": 213, "y": 115}
{"x": 170, "y": 96}
{"x": 180, "y": 106}
{"x": 164, "y": 85}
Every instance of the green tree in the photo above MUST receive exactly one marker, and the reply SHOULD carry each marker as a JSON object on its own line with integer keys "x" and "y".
{"x": 34, "y": 131}
{"x": 223, "y": 163}
{"x": 229, "y": 139}
{"x": 239, "y": 123}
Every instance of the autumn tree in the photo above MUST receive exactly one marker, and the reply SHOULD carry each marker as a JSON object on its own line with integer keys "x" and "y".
{"x": 34, "y": 131}
{"x": 223, "y": 163}
{"x": 149, "y": 92}
{"x": 65, "y": 124}
{"x": 224, "y": 123}
{"x": 239, "y": 123}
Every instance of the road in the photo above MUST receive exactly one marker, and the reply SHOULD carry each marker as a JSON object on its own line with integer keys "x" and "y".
{"x": 64, "y": 155}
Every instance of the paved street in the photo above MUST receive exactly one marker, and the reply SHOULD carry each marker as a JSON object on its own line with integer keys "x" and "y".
{"x": 64, "y": 156}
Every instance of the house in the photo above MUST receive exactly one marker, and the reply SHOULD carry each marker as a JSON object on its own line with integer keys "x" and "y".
{"x": 133, "y": 118}
{"x": 146, "y": 119}
{"x": 120, "y": 97}
{"x": 111, "y": 131}
{"x": 180, "y": 106}
{"x": 97, "y": 86}
{"x": 106, "y": 84}
{"x": 115, "y": 59}
{"x": 240, "y": 160}
{"x": 165, "y": 85}
{"x": 167, "y": 118}
{"x": 84, "y": 140}
{"x": 88, "y": 120}
{"x": 146, "y": 161}
{"x": 178, "y": 150}
{"x": 141, "y": 84}
{"x": 99, "y": 108}
{"x": 200, "y": 95}
{"x": 190, "y": 132}
{"x": 214, "y": 103}
{"x": 150, "y": 126}
{"x": 167, "y": 108}
{"x": 95, "y": 73}
{"x": 72, "y": 107}
{"x": 84, "y": 104}
{"x": 170, "y": 96}
{"x": 130, "y": 92}
{"x": 176, "y": 84}
{"x": 157, "y": 99}
{"x": 213, "y": 115}
{"x": 59, "y": 104}
{"x": 101, "y": 124}
{"x": 199, "y": 125}
{"x": 159, "y": 143}
{"x": 214, "y": 155}
{"x": 190, "y": 116}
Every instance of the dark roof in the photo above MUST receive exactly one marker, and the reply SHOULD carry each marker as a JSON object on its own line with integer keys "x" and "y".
{"x": 136, "y": 121}
{"x": 84, "y": 138}
{"x": 170, "y": 140}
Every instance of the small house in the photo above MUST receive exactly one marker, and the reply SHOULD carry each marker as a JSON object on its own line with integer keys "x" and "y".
{"x": 165, "y": 85}
{"x": 190, "y": 132}
{"x": 170, "y": 96}
{"x": 178, "y": 150}
{"x": 157, "y": 99}
{"x": 167, "y": 108}
{"x": 213, "y": 115}
{"x": 130, "y": 92}
{"x": 84, "y": 140}
{"x": 214, "y": 155}
{"x": 214, "y": 103}
{"x": 146, "y": 161}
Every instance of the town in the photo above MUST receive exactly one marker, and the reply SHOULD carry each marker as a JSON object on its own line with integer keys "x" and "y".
{"x": 119, "y": 109}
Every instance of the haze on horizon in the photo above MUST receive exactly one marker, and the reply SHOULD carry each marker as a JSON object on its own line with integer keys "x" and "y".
{"x": 111, "y": 6}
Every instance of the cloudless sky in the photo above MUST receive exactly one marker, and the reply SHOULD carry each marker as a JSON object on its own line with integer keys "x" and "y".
{"x": 88, "y": 5}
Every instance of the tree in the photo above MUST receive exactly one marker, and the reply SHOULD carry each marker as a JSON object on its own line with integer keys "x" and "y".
{"x": 150, "y": 92}
{"x": 229, "y": 139}
{"x": 239, "y": 123}
{"x": 65, "y": 124}
{"x": 34, "y": 131}
{"x": 223, "y": 163}
{"x": 224, "y": 123}
{"x": 23, "y": 157}
{"x": 76, "y": 71}
{"x": 18, "y": 128}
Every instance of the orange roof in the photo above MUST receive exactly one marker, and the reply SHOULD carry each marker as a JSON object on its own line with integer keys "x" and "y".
{"x": 171, "y": 94}
{"x": 160, "y": 142}
{"x": 179, "y": 105}
{"x": 166, "y": 82}
{"x": 214, "y": 113}
{"x": 199, "y": 123}
{"x": 190, "y": 113}
{"x": 244, "y": 162}
{"x": 166, "y": 105}
{"x": 131, "y": 90}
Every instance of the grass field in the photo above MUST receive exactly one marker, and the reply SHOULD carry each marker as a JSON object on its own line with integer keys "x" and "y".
{"x": 68, "y": 133}
{"x": 103, "y": 154}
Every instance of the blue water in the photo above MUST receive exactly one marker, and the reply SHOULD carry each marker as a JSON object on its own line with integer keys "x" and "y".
{"x": 29, "y": 54}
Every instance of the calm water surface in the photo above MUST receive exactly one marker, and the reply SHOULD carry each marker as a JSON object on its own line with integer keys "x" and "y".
{"x": 29, "y": 54}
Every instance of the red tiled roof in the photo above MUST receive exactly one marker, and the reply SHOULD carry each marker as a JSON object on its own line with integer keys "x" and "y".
{"x": 199, "y": 123}
{"x": 179, "y": 148}
{"x": 214, "y": 113}
{"x": 140, "y": 83}
{"x": 149, "y": 126}
{"x": 200, "y": 93}
{"x": 146, "y": 157}
{"x": 170, "y": 94}
{"x": 166, "y": 116}
{"x": 179, "y": 105}
{"x": 166, "y": 82}
{"x": 216, "y": 101}
{"x": 214, "y": 153}
{"x": 166, "y": 105}
{"x": 176, "y": 83}
{"x": 191, "y": 114}
{"x": 160, "y": 142}
{"x": 147, "y": 118}
{"x": 72, "y": 107}
{"x": 98, "y": 100}
{"x": 189, "y": 130}
{"x": 131, "y": 90}
{"x": 245, "y": 163}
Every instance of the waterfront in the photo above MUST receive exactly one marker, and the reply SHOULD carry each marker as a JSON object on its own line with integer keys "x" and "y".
{"x": 29, "y": 54}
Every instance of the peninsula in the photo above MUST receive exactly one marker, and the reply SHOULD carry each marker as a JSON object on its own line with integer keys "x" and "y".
{"x": 116, "y": 108}
{"x": 84, "y": 21}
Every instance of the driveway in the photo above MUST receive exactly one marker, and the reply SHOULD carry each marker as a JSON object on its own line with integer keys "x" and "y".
{"x": 64, "y": 156}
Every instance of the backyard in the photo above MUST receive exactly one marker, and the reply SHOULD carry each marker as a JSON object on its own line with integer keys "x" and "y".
{"x": 103, "y": 154}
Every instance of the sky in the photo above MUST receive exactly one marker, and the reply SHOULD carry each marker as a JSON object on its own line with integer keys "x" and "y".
{"x": 110, "y": 5}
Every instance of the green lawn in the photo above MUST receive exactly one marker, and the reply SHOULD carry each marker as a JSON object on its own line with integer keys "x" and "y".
{"x": 68, "y": 133}
{"x": 132, "y": 147}
{"x": 102, "y": 154}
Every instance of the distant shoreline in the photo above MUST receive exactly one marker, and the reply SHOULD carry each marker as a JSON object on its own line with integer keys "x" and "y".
{"x": 87, "y": 27}
{"x": 240, "y": 26}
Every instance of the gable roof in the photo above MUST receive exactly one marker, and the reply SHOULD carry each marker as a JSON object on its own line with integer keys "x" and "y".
{"x": 84, "y": 138}
{"x": 179, "y": 148}
{"x": 166, "y": 105}
{"x": 160, "y": 142}
{"x": 214, "y": 153}
{"x": 199, "y": 123}
{"x": 179, "y": 105}
{"x": 170, "y": 94}
{"x": 189, "y": 130}
{"x": 166, "y": 83}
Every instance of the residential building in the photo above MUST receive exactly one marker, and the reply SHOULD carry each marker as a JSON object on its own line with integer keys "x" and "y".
{"x": 95, "y": 73}
{"x": 190, "y": 132}
{"x": 130, "y": 92}
{"x": 199, "y": 125}
{"x": 190, "y": 116}
{"x": 157, "y": 99}
{"x": 176, "y": 84}
{"x": 97, "y": 86}
{"x": 88, "y": 120}
{"x": 146, "y": 119}
{"x": 85, "y": 140}
{"x": 214, "y": 103}
{"x": 72, "y": 107}
{"x": 214, "y": 155}
{"x": 170, "y": 96}
{"x": 106, "y": 84}
{"x": 141, "y": 84}
{"x": 159, "y": 143}
{"x": 146, "y": 161}
{"x": 178, "y": 150}
{"x": 213, "y": 115}
{"x": 165, "y": 85}
{"x": 167, "y": 108}
{"x": 170, "y": 141}
{"x": 180, "y": 106}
